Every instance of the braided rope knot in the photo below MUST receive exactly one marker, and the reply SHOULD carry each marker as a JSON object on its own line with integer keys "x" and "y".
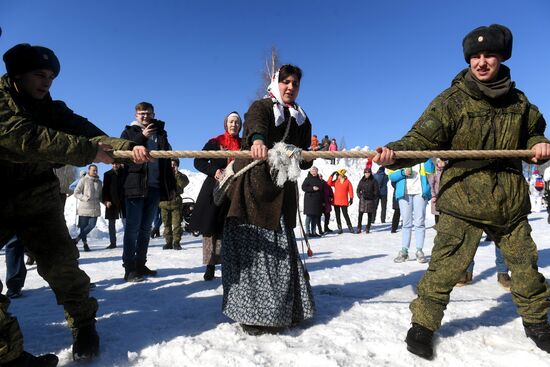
{"x": 284, "y": 161}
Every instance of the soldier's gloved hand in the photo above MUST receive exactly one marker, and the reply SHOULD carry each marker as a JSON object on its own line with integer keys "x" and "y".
{"x": 350, "y": 201}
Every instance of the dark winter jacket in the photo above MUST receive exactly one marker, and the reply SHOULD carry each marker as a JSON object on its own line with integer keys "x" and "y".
{"x": 207, "y": 217}
{"x": 368, "y": 193}
{"x": 113, "y": 191}
{"x": 313, "y": 199}
{"x": 255, "y": 198}
{"x": 382, "y": 178}
{"x": 328, "y": 198}
{"x": 493, "y": 191}
{"x": 135, "y": 185}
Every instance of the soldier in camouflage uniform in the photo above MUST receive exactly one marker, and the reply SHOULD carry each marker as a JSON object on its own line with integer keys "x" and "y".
{"x": 481, "y": 110}
{"x": 171, "y": 211}
{"x": 36, "y": 135}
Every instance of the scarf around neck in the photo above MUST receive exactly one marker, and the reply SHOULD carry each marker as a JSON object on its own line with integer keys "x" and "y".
{"x": 227, "y": 141}
{"x": 279, "y": 106}
{"x": 493, "y": 89}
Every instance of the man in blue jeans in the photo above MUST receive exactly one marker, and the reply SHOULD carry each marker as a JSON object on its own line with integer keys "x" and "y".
{"x": 16, "y": 271}
{"x": 503, "y": 278}
{"x": 145, "y": 185}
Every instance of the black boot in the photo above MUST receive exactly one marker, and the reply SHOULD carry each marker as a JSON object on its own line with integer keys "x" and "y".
{"x": 209, "y": 273}
{"x": 340, "y": 230}
{"x": 28, "y": 360}
{"x": 85, "y": 342}
{"x": 176, "y": 246}
{"x": 167, "y": 246}
{"x": 145, "y": 271}
{"x": 540, "y": 334}
{"x": 420, "y": 341}
{"x": 131, "y": 275}
{"x": 86, "y": 248}
{"x": 112, "y": 245}
{"x": 155, "y": 232}
{"x": 30, "y": 260}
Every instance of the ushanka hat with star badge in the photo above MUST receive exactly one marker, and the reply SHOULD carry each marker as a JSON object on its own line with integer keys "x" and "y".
{"x": 23, "y": 58}
{"x": 495, "y": 38}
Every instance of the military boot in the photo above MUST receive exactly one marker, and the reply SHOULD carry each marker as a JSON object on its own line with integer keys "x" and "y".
{"x": 176, "y": 246}
{"x": 167, "y": 246}
{"x": 420, "y": 341}
{"x": 539, "y": 333}
{"x": 28, "y": 360}
{"x": 85, "y": 342}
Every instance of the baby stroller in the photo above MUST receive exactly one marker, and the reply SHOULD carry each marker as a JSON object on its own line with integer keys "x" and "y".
{"x": 187, "y": 207}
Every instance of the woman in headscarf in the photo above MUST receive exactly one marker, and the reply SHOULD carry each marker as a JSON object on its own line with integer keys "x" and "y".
{"x": 207, "y": 217}
{"x": 264, "y": 286}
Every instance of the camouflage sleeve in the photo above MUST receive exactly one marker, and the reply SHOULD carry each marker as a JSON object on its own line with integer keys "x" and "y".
{"x": 24, "y": 140}
{"x": 430, "y": 132}
{"x": 536, "y": 125}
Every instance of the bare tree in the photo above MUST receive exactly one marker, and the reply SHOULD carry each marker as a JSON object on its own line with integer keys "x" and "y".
{"x": 272, "y": 64}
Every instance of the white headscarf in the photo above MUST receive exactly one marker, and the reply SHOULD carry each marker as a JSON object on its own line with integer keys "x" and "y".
{"x": 278, "y": 104}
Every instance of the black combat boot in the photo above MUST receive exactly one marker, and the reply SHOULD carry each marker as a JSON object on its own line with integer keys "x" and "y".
{"x": 209, "y": 273}
{"x": 144, "y": 271}
{"x": 111, "y": 246}
{"x": 167, "y": 246}
{"x": 176, "y": 246}
{"x": 420, "y": 341}
{"x": 28, "y": 360}
{"x": 86, "y": 247}
{"x": 539, "y": 333}
{"x": 85, "y": 342}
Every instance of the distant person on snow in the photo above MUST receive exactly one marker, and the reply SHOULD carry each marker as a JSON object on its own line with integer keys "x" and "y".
{"x": 343, "y": 197}
{"x": 481, "y": 110}
{"x": 88, "y": 193}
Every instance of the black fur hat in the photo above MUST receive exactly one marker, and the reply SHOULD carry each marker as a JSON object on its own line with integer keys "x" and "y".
{"x": 23, "y": 57}
{"x": 495, "y": 38}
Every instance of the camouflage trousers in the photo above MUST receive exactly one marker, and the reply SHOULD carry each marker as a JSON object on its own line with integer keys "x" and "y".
{"x": 171, "y": 218}
{"x": 454, "y": 248}
{"x": 37, "y": 220}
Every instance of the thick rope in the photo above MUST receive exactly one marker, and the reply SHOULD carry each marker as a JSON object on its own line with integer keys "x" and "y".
{"x": 409, "y": 154}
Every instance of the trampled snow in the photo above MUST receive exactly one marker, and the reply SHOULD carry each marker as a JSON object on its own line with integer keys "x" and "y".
{"x": 362, "y": 300}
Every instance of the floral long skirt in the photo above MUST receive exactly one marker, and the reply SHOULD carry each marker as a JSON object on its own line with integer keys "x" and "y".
{"x": 263, "y": 276}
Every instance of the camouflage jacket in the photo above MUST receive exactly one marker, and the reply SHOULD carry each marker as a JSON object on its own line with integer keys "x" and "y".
{"x": 36, "y": 136}
{"x": 491, "y": 192}
{"x": 181, "y": 182}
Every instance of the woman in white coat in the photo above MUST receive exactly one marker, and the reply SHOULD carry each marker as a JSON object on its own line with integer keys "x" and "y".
{"x": 88, "y": 193}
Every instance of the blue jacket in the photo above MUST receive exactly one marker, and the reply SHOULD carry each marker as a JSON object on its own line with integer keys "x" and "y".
{"x": 399, "y": 177}
{"x": 382, "y": 178}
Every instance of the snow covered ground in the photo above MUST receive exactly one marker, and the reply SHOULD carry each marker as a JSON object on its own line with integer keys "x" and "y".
{"x": 362, "y": 300}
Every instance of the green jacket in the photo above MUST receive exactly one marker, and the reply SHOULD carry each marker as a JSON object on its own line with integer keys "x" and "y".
{"x": 181, "y": 182}
{"x": 36, "y": 136}
{"x": 492, "y": 192}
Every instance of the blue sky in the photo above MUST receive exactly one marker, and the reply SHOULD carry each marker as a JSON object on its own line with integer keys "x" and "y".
{"x": 370, "y": 68}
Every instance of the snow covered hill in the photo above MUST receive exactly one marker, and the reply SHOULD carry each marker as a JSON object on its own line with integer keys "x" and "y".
{"x": 362, "y": 300}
